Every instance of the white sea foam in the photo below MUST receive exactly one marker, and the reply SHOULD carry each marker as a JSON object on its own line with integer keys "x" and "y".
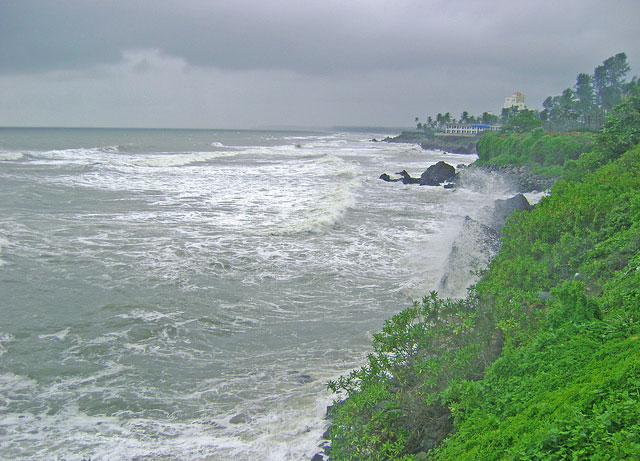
{"x": 4, "y": 243}
{"x": 328, "y": 209}
{"x": 11, "y": 156}
{"x": 535, "y": 197}
{"x": 4, "y": 340}
{"x": 60, "y": 335}
{"x": 180, "y": 159}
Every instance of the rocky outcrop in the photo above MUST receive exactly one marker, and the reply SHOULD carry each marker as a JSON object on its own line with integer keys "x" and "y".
{"x": 446, "y": 143}
{"x": 521, "y": 176}
{"x": 386, "y": 177}
{"x": 458, "y": 145}
{"x": 411, "y": 137}
{"x": 435, "y": 175}
{"x": 503, "y": 208}
{"x": 476, "y": 244}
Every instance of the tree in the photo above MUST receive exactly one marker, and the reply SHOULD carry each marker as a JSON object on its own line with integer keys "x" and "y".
{"x": 547, "y": 105}
{"x": 524, "y": 121}
{"x": 464, "y": 117}
{"x": 568, "y": 105}
{"x": 608, "y": 79}
{"x": 507, "y": 113}
{"x": 488, "y": 118}
{"x": 585, "y": 100}
{"x": 633, "y": 87}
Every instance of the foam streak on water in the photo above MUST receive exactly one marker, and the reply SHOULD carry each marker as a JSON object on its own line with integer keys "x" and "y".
{"x": 187, "y": 294}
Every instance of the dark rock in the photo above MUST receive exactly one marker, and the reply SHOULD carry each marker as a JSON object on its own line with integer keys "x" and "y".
{"x": 521, "y": 177}
{"x": 412, "y": 137}
{"x": 437, "y": 174}
{"x": 317, "y": 457}
{"x": 327, "y": 434}
{"x": 407, "y": 179}
{"x": 473, "y": 248}
{"x": 452, "y": 144}
{"x": 386, "y": 177}
{"x": 503, "y": 208}
{"x": 450, "y": 186}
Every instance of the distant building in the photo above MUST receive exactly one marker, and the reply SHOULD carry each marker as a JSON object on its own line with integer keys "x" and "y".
{"x": 465, "y": 129}
{"x": 515, "y": 100}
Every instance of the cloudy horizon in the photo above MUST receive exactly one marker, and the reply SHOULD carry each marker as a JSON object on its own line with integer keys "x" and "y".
{"x": 251, "y": 64}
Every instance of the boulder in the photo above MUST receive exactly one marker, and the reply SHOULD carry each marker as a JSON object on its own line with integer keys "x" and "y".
{"x": 503, "y": 208}
{"x": 407, "y": 179}
{"x": 473, "y": 248}
{"x": 437, "y": 174}
{"x": 386, "y": 177}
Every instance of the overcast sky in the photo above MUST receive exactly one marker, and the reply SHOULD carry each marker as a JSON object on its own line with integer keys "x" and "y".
{"x": 306, "y": 63}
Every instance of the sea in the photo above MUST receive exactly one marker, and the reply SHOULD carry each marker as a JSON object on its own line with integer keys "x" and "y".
{"x": 188, "y": 294}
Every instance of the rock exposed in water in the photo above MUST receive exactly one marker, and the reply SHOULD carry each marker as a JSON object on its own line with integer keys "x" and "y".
{"x": 521, "y": 176}
{"x": 386, "y": 177}
{"x": 407, "y": 179}
{"x": 437, "y": 174}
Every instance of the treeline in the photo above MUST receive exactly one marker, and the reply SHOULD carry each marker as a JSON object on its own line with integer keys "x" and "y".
{"x": 440, "y": 119}
{"x": 592, "y": 97}
{"x": 542, "y": 359}
{"x": 581, "y": 107}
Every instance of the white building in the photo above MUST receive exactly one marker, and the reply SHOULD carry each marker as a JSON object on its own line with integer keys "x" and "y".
{"x": 515, "y": 100}
{"x": 465, "y": 129}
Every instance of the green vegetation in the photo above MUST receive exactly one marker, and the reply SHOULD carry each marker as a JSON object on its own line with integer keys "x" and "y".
{"x": 542, "y": 359}
{"x": 545, "y": 153}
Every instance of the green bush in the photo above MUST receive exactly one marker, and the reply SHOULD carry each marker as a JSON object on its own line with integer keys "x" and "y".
{"x": 542, "y": 359}
{"x": 545, "y": 152}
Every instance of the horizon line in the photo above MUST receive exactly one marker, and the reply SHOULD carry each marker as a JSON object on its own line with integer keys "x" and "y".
{"x": 260, "y": 128}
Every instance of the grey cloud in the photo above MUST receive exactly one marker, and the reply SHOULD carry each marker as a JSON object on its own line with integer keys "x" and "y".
{"x": 79, "y": 62}
{"x": 304, "y": 36}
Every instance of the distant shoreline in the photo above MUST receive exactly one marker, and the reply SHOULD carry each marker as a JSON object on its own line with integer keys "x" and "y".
{"x": 451, "y": 143}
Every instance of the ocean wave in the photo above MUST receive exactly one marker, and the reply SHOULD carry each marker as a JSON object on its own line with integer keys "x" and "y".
{"x": 4, "y": 243}
{"x": 180, "y": 159}
{"x": 60, "y": 335}
{"x": 9, "y": 156}
{"x": 5, "y": 339}
{"x": 327, "y": 210}
{"x": 337, "y": 166}
{"x": 72, "y": 156}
